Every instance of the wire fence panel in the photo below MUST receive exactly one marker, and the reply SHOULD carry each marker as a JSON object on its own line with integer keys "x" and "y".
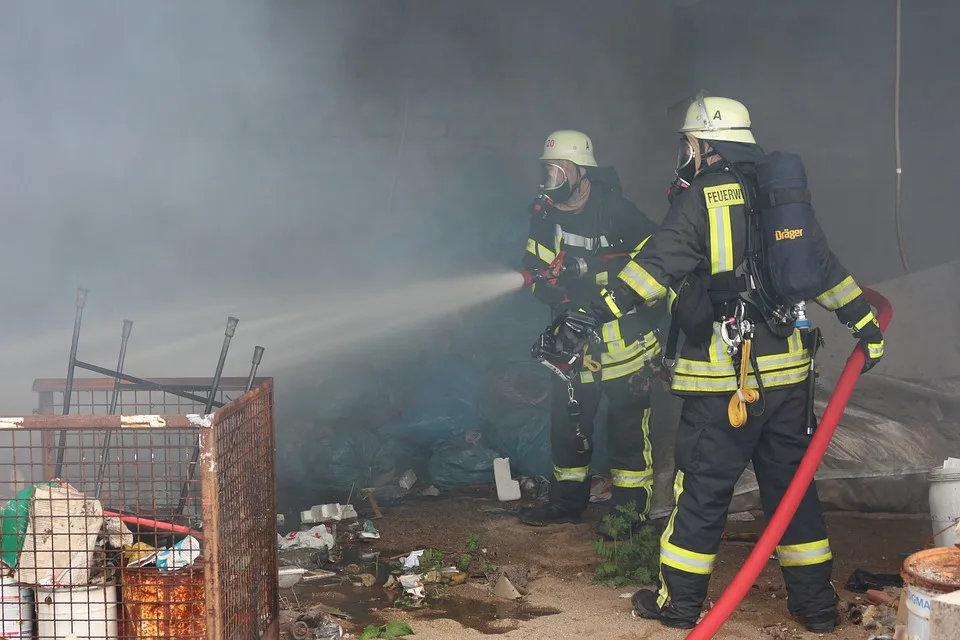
{"x": 152, "y": 526}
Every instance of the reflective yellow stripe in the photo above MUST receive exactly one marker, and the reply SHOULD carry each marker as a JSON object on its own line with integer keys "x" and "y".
{"x": 875, "y": 350}
{"x": 804, "y": 555}
{"x": 602, "y": 278}
{"x": 840, "y": 295}
{"x": 639, "y": 246}
{"x": 611, "y": 303}
{"x": 610, "y": 332}
{"x": 532, "y": 246}
{"x": 721, "y": 241}
{"x": 650, "y": 352}
{"x": 637, "y": 278}
{"x": 706, "y": 384}
{"x": 571, "y": 474}
{"x": 689, "y": 561}
{"x": 664, "y": 594}
{"x": 545, "y": 254}
{"x": 631, "y": 479}
{"x": 671, "y": 298}
{"x": 619, "y": 351}
{"x": 718, "y": 201}
{"x": 864, "y": 321}
{"x": 648, "y": 459}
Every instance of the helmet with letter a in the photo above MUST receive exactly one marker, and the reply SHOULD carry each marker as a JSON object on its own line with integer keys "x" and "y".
{"x": 716, "y": 118}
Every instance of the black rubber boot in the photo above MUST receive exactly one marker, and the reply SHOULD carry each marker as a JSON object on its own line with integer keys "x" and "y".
{"x": 545, "y": 515}
{"x": 822, "y": 622}
{"x": 645, "y": 606}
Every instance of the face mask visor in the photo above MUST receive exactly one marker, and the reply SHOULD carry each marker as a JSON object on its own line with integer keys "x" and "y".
{"x": 552, "y": 176}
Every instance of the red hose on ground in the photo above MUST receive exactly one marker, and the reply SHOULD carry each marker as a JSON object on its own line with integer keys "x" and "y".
{"x": 758, "y": 559}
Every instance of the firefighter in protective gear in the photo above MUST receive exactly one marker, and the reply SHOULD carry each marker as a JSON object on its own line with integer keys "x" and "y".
{"x": 582, "y": 211}
{"x": 702, "y": 240}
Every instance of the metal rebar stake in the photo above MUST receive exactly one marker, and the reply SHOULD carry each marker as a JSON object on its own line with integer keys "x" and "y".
{"x": 214, "y": 387}
{"x": 257, "y": 356}
{"x": 114, "y": 397}
{"x": 68, "y": 390}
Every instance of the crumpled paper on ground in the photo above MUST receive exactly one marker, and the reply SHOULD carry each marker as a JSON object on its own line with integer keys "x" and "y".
{"x": 319, "y": 537}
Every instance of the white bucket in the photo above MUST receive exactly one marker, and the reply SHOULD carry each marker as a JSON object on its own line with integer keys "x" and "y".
{"x": 16, "y": 609}
{"x": 87, "y": 612}
{"x": 944, "y": 505}
{"x": 926, "y": 575}
{"x": 918, "y": 612}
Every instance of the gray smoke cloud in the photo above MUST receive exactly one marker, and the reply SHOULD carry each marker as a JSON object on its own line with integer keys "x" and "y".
{"x": 185, "y": 161}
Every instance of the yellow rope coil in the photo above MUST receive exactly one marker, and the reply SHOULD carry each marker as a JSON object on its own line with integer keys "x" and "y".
{"x": 737, "y": 411}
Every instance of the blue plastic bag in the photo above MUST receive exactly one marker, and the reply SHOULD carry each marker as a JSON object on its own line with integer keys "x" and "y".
{"x": 458, "y": 463}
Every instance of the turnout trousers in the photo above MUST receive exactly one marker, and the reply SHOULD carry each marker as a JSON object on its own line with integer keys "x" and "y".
{"x": 710, "y": 457}
{"x": 628, "y": 437}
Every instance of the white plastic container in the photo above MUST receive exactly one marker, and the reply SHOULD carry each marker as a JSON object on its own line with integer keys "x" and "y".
{"x": 944, "y": 505}
{"x": 86, "y": 613}
{"x": 918, "y": 612}
{"x": 17, "y": 613}
{"x": 926, "y": 575}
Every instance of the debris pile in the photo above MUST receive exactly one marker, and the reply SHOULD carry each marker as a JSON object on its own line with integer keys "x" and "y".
{"x": 62, "y": 549}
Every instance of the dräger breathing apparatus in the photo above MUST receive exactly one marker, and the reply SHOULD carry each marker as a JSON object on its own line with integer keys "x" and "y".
{"x": 562, "y": 349}
{"x": 780, "y": 271}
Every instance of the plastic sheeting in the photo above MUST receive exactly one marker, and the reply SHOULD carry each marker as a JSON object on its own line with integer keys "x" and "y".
{"x": 459, "y": 463}
{"x": 878, "y": 460}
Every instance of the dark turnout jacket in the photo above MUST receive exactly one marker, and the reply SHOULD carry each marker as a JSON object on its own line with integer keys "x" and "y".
{"x": 605, "y": 234}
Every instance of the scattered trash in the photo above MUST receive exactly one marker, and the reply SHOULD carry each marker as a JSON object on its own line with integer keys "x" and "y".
{"x": 313, "y": 576}
{"x": 369, "y": 531}
{"x": 183, "y": 554}
{"x": 413, "y": 560}
{"x": 626, "y": 596}
{"x": 535, "y": 488}
{"x": 309, "y": 558}
{"x": 459, "y": 462}
{"x": 508, "y": 489}
{"x": 366, "y": 579}
{"x": 408, "y": 479}
{"x": 881, "y": 598}
{"x": 290, "y": 576}
{"x": 430, "y": 491}
{"x": 861, "y": 581}
{"x": 319, "y": 537}
{"x": 334, "y": 512}
{"x": 62, "y": 532}
{"x": 117, "y": 534}
{"x": 139, "y": 553}
{"x": 505, "y": 589}
{"x": 308, "y": 627}
{"x": 412, "y": 585}
{"x": 601, "y": 489}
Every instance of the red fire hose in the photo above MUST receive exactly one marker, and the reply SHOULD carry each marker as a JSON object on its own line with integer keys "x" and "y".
{"x": 751, "y": 569}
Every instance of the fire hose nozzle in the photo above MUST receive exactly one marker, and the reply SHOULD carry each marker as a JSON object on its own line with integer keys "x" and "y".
{"x": 574, "y": 267}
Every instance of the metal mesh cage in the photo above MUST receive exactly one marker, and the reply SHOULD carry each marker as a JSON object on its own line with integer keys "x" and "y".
{"x": 140, "y": 537}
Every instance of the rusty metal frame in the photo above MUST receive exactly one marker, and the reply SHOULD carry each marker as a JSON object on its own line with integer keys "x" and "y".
{"x": 240, "y": 431}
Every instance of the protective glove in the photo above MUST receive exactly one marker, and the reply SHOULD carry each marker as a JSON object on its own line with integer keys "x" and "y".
{"x": 871, "y": 339}
{"x": 550, "y": 294}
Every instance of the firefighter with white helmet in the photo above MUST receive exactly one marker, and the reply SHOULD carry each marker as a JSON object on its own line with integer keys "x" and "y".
{"x": 582, "y": 215}
{"x": 743, "y": 369}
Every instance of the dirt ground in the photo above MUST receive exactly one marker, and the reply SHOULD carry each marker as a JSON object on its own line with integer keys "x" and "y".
{"x": 561, "y": 599}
